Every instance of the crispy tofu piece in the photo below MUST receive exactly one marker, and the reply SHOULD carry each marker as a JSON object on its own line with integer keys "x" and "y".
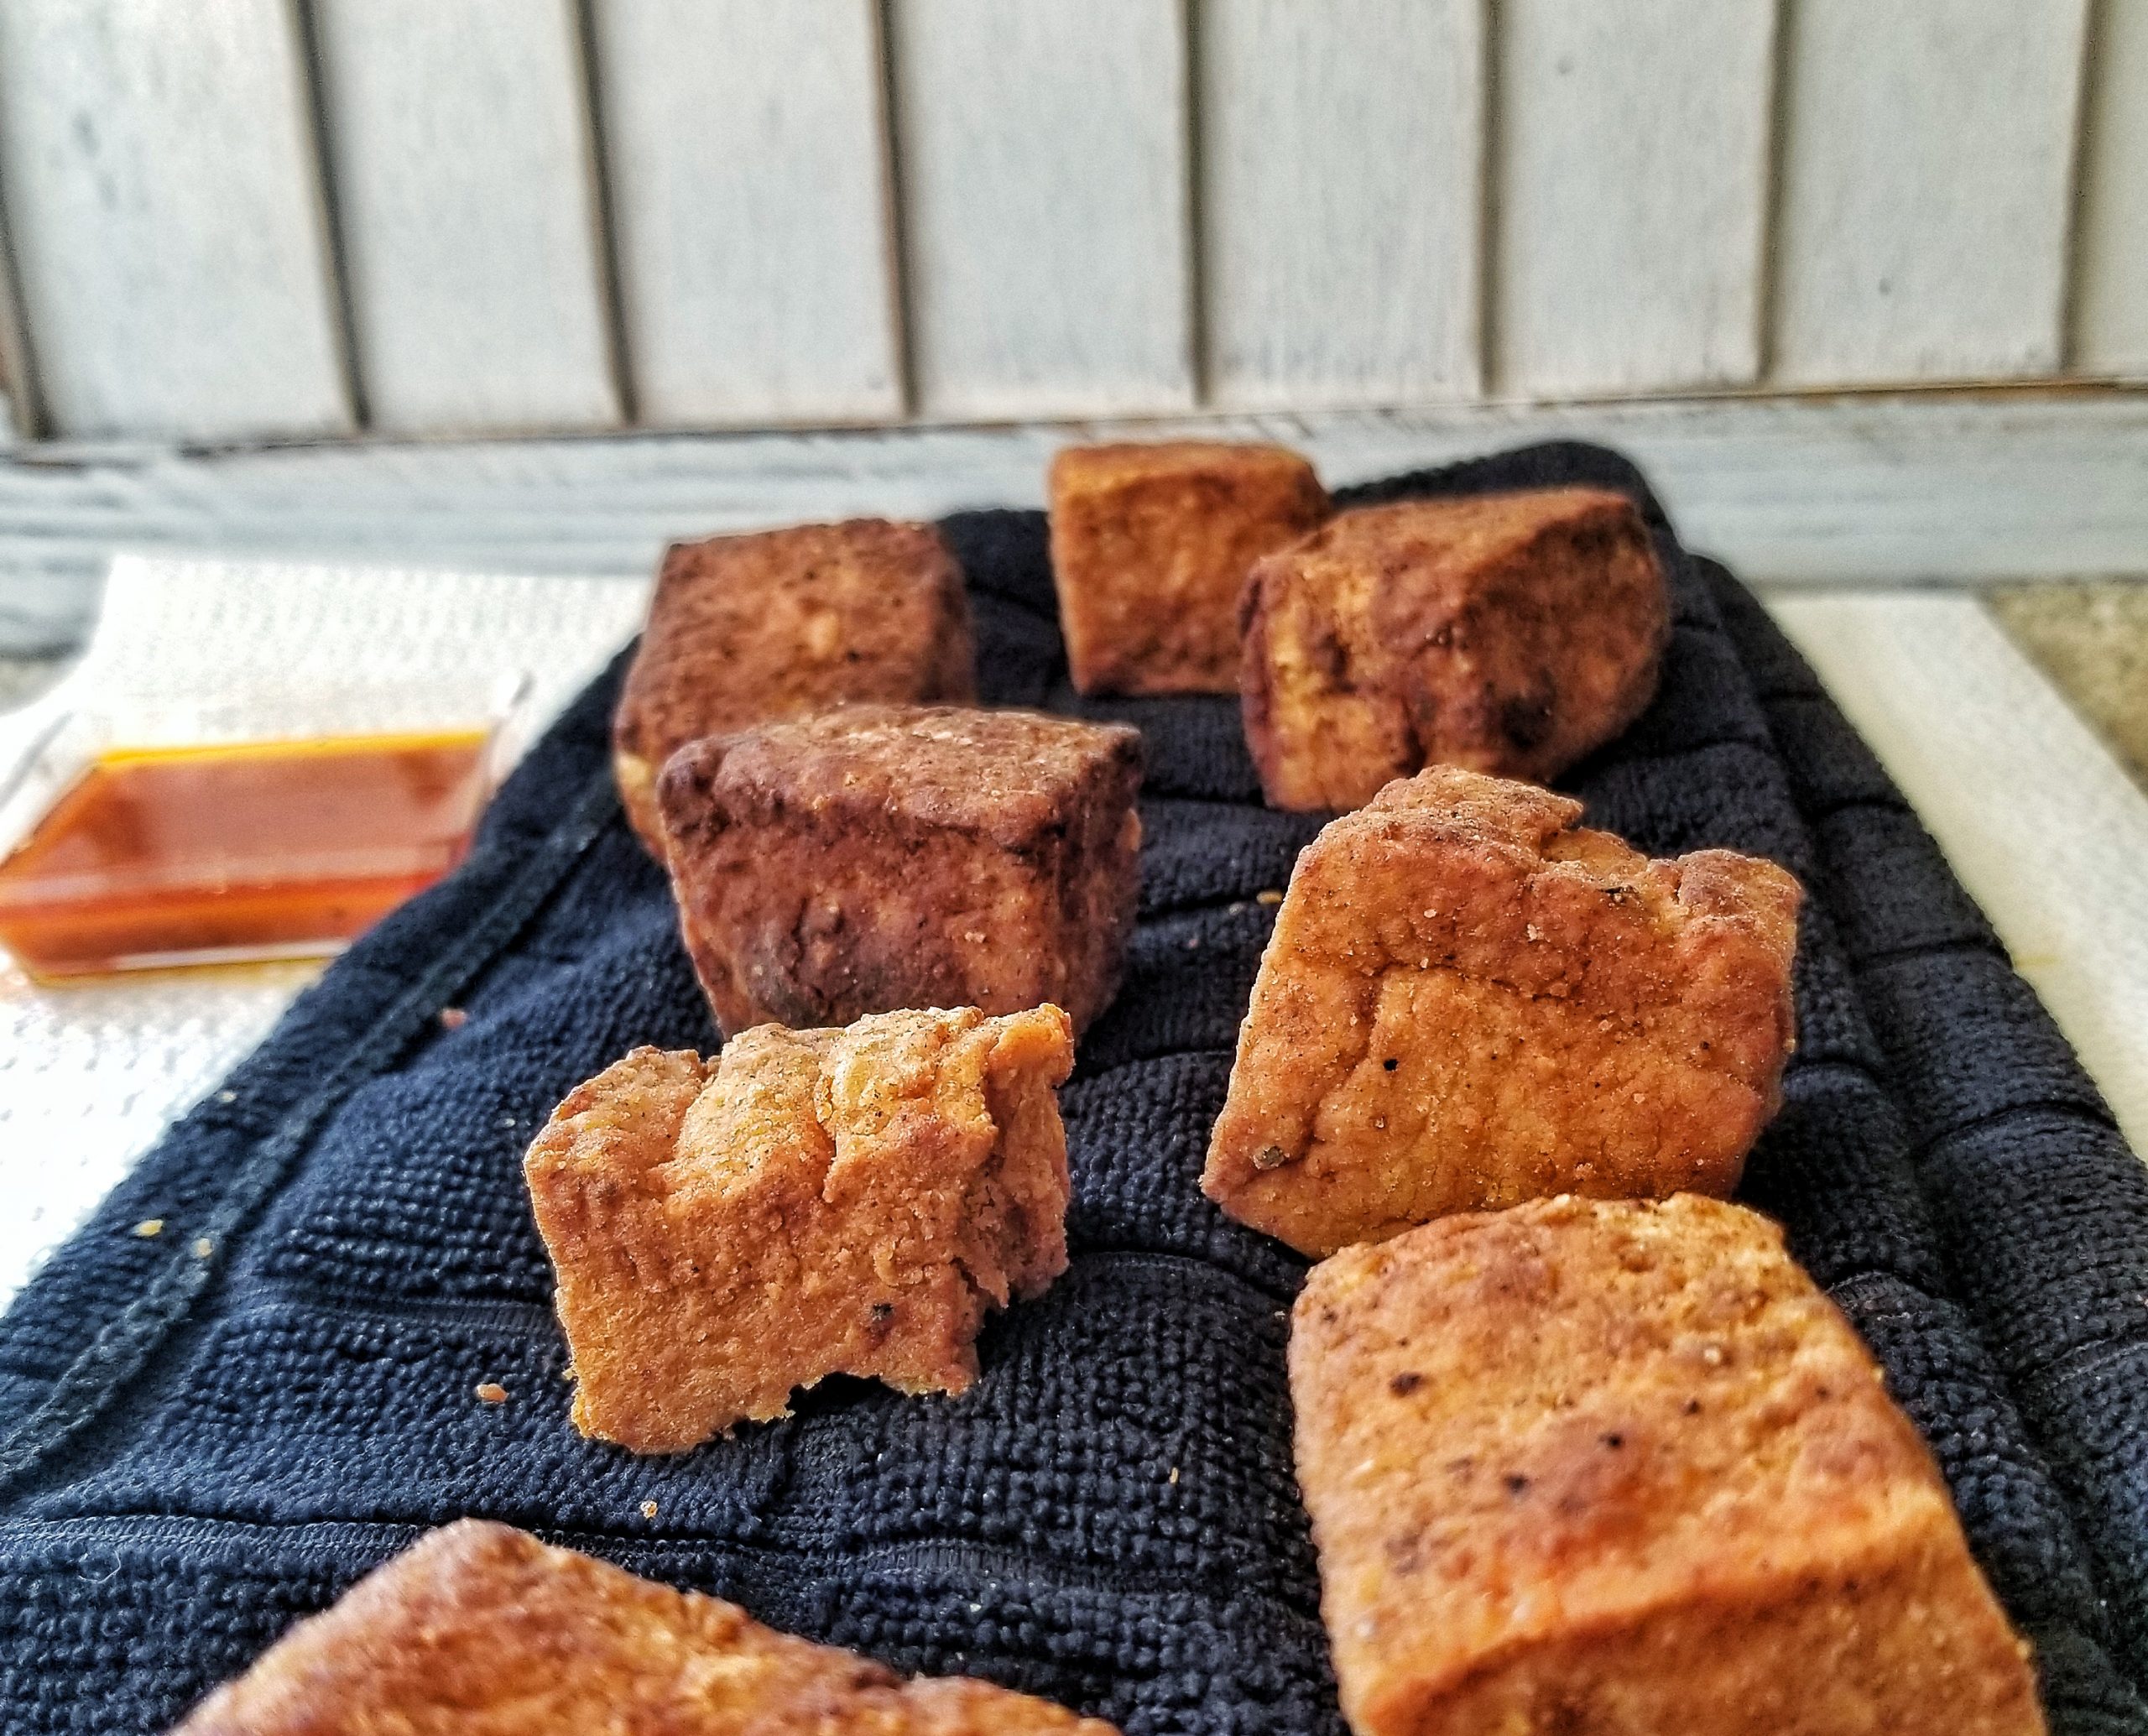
{"x": 1468, "y": 1001}
{"x": 1151, "y": 546}
{"x": 810, "y": 1203}
{"x": 478, "y": 1629}
{"x": 884, "y": 856}
{"x": 782, "y": 623}
{"x": 1620, "y": 1467}
{"x": 1509, "y": 633}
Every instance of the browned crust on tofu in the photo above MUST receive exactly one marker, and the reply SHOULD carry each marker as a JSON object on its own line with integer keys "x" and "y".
{"x": 782, "y": 623}
{"x": 895, "y": 856}
{"x": 1151, "y": 546}
{"x": 1468, "y": 1001}
{"x": 1509, "y": 633}
{"x": 810, "y": 1203}
{"x": 1621, "y": 1467}
{"x": 478, "y": 1629}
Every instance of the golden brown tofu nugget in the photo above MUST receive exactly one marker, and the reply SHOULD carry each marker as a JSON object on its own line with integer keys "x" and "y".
{"x": 1621, "y": 1467}
{"x": 1509, "y": 634}
{"x": 783, "y": 623}
{"x": 882, "y": 857}
{"x": 1151, "y": 546}
{"x": 1468, "y": 1001}
{"x": 811, "y": 1203}
{"x": 478, "y": 1629}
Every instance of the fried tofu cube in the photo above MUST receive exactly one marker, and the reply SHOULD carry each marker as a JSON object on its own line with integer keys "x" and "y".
{"x": 1151, "y": 546}
{"x": 883, "y": 857}
{"x": 810, "y": 1203}
{"x": 1509, "y": 633}
{"x": 781, "y": 623}
{"x": 1468, "y": 1001}
{"x": 478, "y": 1629}
{"x": 1595, "y": 1466}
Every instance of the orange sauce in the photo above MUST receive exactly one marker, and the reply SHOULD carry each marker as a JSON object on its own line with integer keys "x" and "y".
{"x": 263, "y": 849}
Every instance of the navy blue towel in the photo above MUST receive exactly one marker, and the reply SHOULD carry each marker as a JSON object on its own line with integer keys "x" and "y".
{"x": 213, "y": 1432}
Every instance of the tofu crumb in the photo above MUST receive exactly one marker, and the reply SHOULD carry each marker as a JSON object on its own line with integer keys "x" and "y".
{"x": 491, "y": 1392}
{"x": 150, "y": 1227}
{"x": 1174, "y": 1476}
{"x": 453, "y": 1019}
{"x": 203, "y": 1247}
{"x": 649, "y": 1509}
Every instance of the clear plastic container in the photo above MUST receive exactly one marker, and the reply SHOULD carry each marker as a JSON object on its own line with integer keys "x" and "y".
{"x": 281, "y": 824}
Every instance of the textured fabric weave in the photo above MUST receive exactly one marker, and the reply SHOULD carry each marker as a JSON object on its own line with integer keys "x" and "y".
{"x": 211, "y": 1432}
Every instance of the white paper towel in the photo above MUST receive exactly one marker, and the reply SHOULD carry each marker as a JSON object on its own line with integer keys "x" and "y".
{"x": 90, "y": 1073}
{"x": 2043, "y": 827}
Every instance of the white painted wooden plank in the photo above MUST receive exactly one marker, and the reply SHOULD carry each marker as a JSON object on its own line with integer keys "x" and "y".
{"x": 460, "y": 151}
{"x": 1631, "y": 194}
{"x": 158, "y": 166}
{"x": 1925, "y": 179}
{"x": 2021, "y": 797}
{"x": 2110, "y": 308}
{"x": 1042, "y": 151}
{"x": 1341, "y": 159}
{"x": 1926, "y": 488}
{"x": 747, "y": 144}
{"x": 20, "y": 415}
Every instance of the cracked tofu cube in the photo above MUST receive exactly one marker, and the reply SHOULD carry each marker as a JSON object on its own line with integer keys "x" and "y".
{"x": 478, "y": 1629}
{"x": 1468, "y": 1001}
{"x": 781, "y": 623}
{"x": 1509, "y": 633}
{"x": 810, "y": 1203}
{"x": 1620, "y": 1467}
{"x": 883, "y": 857}
{"x": 1151, "y": 546}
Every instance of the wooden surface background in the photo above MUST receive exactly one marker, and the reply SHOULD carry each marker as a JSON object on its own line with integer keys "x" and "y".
{"x": 233, "y": 219}
{"x": 1922, "y": 488}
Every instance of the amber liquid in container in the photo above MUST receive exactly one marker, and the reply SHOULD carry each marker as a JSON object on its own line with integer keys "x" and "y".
{"x": 244, "y": 850}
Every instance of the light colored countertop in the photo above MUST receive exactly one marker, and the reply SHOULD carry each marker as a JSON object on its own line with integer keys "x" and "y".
{"x": 22, "y": 679}
{"x": 2091, "y": 639}
{"x": 2043, "y": 824}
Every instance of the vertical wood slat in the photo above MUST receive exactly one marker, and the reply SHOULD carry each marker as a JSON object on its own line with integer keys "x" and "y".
{"x": 2111, "y": 304}
{"x": 22, "y": 415}
{"x": 460, "y": 161}
{"x": 1341, "y": 157}
{"x": 746, "y": 144}
{"x": 1042, "y": 149}
{"x": 1630, "y": 193}
{"x": 1925, "y": 179}
{"x": 164, "y": 202}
